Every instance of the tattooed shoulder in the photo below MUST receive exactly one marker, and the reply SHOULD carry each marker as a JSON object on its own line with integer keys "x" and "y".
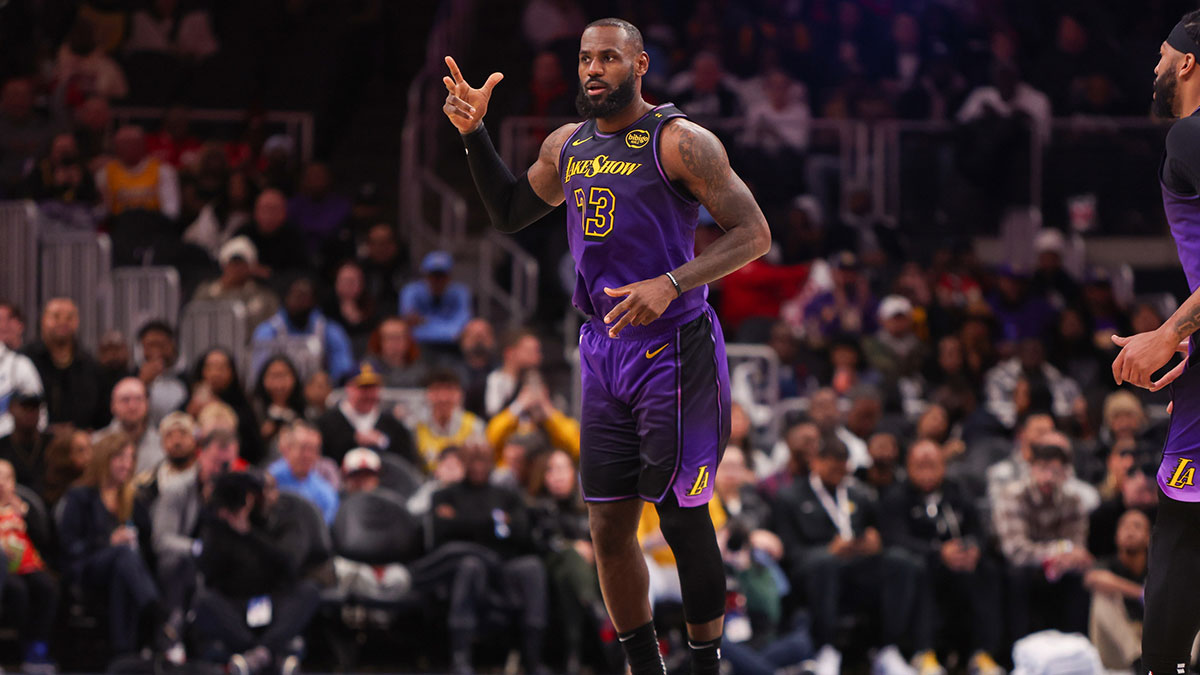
{"x": 700, "y": 160}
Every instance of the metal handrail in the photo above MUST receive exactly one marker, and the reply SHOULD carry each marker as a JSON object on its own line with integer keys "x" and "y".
{"x": 300, "y": 125}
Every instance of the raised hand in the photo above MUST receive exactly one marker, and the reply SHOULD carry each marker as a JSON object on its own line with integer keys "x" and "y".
{"x": 466, "y": 105}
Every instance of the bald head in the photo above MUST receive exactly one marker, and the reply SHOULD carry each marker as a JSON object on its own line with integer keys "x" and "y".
{"x": 129, "y": 405}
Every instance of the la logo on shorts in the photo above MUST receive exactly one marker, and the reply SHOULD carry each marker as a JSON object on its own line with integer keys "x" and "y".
{"x": 701, "y": 482}
{"x": 1183, "y": 475}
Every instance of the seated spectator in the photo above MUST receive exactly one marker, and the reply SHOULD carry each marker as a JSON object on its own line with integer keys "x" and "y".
{"x": 394, "y": 354}
{"x": 178, "y": 433}
{"x": 295, "y": 471}
{"x": 520, "y": 354}
{"x": 1042, "y": 529}
{"x": 1117, "y": 583}
{"x": 447, "y": 470}
{"x": 24, "y": 135}
{"x": 25, "y": 446}
{"x": 1124, "y": 420}
{"x": 848, "y": 308}
{"x": 1029, "y": 364}
{"x": 62, "y": 176}
{"x": 279, "y": 243}
{"x": 12, "y": 326}
{"x": 351, "y": 307}
{"x": 437, "y": 307}
{"x": 477, "y": 345}
{"x": 278, "y": 398}
{"x": 936, "y": 521}
{"x": 749, "y": 516}
{"x": 129, "y": 409}
{"x": 70, "y": 376}
{"x": 562, "y": 536}
{"x": 239, "y": 258}
{"x": 253, "y": 604}
{"x": 378, "y": 579}
{"x": 385, "y": 265}
{"x": 803, "y": 441}
{"x": 298, "y": 527}
{"x": 67, "y": 457}
{"x": 361, "y": 421}
{"x": 1020, "y": 313}
{"x": 894, "y": 350}
{"x": 496, "y": 519}
{"x": 300, "y": 317}
{"x": 102, "y": 530}
{"x": 316, "y": 394}
{"x": 84, "y": 69}
{"x": 1137, "y": 489}
{"x": 532, "y": 411}
{"x": 134, "y": 180}
{"x": 176, "y": 521}
{"x": 885, "y": 469}
{"x": 1007, "y": 97}
{"x": 703, "y": 93}
{"x": 316, "y": 209}
{"x": 1015, "y": 469}
{"x": 862, "y": 420}
{"x": 443, "y": 422}
{"x": 30, "y": 593}
{"x": 215, "y": 379}
{"x": 831, "y": 541}
{"x": 159, "y": 369}
{"x": 165, "y": 29}
{"x": 173, "y": 143}
{"x": 227, "y": 206}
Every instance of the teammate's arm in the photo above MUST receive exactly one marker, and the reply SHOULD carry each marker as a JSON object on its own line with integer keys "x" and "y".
{"x": 1143, "y": 354}
{"x": 693, "y": 158}
{"x": 512, "y": 203}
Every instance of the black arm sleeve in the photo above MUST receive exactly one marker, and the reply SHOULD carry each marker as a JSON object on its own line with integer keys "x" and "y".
{"x": 511, "y": 202}
{"x": 1181, "y": 171}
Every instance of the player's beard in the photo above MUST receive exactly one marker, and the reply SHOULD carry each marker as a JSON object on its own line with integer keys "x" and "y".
{"x": 1165, "y": 87}
{"x": 616, "y": 100}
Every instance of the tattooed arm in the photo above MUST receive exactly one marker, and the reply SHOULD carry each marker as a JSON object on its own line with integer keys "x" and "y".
{"x": 695, "y": 161}
{"x": 1143, "y": 354}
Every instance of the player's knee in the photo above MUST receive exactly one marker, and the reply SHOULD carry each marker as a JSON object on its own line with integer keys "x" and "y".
{"x": 613, "y": 528}
{"x": 682, "y": 526}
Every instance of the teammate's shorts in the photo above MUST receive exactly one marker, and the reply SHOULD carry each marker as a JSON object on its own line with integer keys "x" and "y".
{"x": 655, "y": 410}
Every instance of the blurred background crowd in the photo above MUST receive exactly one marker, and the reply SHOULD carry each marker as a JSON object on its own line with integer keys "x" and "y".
{"x": 348, "y": 433}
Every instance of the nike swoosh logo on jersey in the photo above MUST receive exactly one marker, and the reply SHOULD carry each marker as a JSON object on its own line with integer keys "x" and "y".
{"x": 574, "y": 143}
{"x": 652, "y": 354}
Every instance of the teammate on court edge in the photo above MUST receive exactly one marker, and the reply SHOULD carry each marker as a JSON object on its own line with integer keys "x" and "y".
{"x": 655, "y": 378}
{"x": 1172, "y": 597}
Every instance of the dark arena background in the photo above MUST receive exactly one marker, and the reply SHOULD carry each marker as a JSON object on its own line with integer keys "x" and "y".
{"x": 275, "y": 396}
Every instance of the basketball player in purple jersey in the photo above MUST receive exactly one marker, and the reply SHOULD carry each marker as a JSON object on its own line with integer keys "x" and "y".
{"x": 1172, "y": 597}
{"x": 655, "y": 376}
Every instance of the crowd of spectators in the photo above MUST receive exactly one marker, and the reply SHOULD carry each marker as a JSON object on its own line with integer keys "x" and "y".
{"x": 957, "y": 455}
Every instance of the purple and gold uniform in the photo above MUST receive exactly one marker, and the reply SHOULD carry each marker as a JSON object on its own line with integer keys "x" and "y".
{"x": 656, "y": 398}
{"x": 1181, "y": 453}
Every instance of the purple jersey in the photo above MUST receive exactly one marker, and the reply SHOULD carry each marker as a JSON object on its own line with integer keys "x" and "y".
{"x": 1181, "y": 454}
{"x": 625, "y": 221}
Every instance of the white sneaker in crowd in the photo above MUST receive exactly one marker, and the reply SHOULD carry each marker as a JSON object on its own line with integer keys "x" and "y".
{"x": 828, "y": 661}
{"x": 889, "y": 661}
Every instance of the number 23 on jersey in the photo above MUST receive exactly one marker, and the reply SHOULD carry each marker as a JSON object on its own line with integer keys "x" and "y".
{"x": 601, "y": 203}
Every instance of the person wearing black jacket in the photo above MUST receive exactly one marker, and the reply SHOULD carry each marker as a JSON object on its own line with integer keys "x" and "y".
{"x": 361, "y": 422}
{"x": 495, "y": 519}
{"x": 936, "y": 520}
{"x": 828, "y": 526}
{"x": 252, "y": 603}
{"x": 71, "y": 377}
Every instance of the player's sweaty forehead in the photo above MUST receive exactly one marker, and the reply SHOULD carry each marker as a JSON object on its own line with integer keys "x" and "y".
{"x": 599, "y": 40}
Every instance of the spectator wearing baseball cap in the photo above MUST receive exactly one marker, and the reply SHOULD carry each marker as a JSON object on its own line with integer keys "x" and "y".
{"x": 360, "y": 470}
{"x": 178, "y": 467}
{"x": 361, "y": 421}
{"x": 438, "y": 307}
{"x": 239, "y": 260}
{"x": 25, "y": 446}
{"x": 894, "y": 350}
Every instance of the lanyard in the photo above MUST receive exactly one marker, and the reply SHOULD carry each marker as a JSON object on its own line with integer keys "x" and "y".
{"x": 839, "y": 511}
